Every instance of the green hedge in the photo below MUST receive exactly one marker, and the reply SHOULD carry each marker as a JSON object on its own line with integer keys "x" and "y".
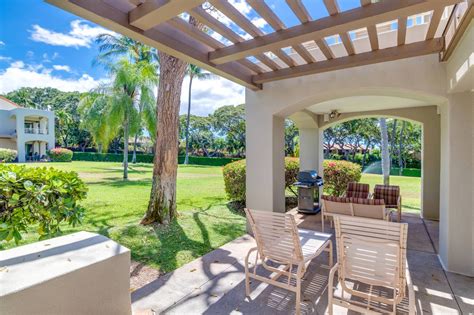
{"x": 60, "y": 155}
{"x": 38, "y": 197}
{"x": 148, "y": 158}
{"x": 7, "y": 155}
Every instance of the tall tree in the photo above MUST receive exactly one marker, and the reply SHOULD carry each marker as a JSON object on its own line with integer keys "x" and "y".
{"x": 400, "y": 148}
{"x": 112, "y": 47}
{"x": 229, "y": 122}
{"x": 385, "y": 151}
{"x": 162, "y": 204}
{"x": 130, "y": 89}
{"x": 193, "y": 72}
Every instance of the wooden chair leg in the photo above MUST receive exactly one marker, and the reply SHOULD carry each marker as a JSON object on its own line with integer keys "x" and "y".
{"x": 331, "y": 288}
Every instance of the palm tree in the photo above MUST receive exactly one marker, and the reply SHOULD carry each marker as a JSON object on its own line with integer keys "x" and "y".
{"x": 385, "y": 152}
{"x": 117, "y": 104}
{"x": 113, "y": 46}
{"x": 198, "y": 73}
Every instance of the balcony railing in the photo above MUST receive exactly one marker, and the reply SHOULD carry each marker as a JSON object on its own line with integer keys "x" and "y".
{"x": 451, "y": 32}
{"x": 38, "y": 131}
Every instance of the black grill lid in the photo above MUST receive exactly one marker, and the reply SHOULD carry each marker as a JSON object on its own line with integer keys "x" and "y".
{"x": 309, "y": 176}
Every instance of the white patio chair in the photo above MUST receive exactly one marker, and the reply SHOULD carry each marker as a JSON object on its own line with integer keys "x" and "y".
{"x": 371, "y": 252}
{"x": 280, "y": 241}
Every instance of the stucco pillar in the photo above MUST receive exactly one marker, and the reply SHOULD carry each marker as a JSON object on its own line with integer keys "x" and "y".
{"x": 310, "y": 149}
{"x": 456, "y": 234}
{"x": 430, "y": 164}
{"x": 51, "y": 131}
{"x": 20, "y": 142}
{"x": 265, "y": 146}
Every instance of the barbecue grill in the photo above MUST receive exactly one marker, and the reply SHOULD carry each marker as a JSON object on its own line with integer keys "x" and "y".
{"x": 308, "y": 191}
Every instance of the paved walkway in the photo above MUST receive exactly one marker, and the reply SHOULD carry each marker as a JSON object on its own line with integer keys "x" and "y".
{"x": 214, "y": 283}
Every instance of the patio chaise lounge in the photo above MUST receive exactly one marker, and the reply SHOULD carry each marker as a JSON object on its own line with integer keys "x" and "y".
{"x": 371, "y": 253}
{"x": 280, "y": 241}
{"x": 358, "y": 207}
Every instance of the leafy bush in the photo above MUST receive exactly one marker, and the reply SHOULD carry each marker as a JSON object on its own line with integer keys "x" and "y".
{"x": 234, "y": 180}
{"x": 60, "y": 155}
{"x": 45, "y": 197}
{"x": 7, "y": 155}
{"x": 148, "y": 158}
{"x": 337, "y": 174}
{"x": 234, "y": 177}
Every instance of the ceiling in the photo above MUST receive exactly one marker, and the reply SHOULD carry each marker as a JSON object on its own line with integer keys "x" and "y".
{"x": 365, "y": 103}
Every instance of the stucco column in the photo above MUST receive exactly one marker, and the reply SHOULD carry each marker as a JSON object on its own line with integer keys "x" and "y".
{"x": 456, "y": 234}
{"x": 265, "y": 177}
{"x": 20, "y": 132}
{"x": 51, "y": 131}
{"x": 310, "y": 149}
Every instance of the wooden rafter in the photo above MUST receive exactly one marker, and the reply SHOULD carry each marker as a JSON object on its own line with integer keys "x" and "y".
{"x": 299, "y": 9}
{"x": 434, "y": 22}
{"x": 373, "y": 37}
{"x": 162, "y": 37}
{"x": 327, "y": 26}
{"x": 231, "y": 12}
{"x": 332, "y": 6}
{"x": 323, "y": 46}
{"x": 154, "y": 12}
{"x": 371, "y": 57}
{"x": 346, "y": 41}
{"x": 402, "y": 31}
{"x": 274, "y": 21}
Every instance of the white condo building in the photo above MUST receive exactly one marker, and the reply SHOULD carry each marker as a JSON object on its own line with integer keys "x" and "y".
{"x": 28, "y": 131}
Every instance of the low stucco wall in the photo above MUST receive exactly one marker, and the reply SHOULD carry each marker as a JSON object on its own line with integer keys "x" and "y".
{"x": 80, "y": 273}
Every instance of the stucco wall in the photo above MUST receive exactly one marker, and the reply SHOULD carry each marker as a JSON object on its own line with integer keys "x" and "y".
{"x": 7, "y": 144}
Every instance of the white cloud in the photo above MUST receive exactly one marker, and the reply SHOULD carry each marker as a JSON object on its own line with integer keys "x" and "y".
{"x": 80, "y": 35}
{"x": 2, "y": 43}
{"x": 5, "y": 58}
{"x": 242, "y": 6}
{"x": 208, "y": 95}
{"x": 259, "y": 22}
{"x": 62, "y": 68}
{"x": 19, "y": 75}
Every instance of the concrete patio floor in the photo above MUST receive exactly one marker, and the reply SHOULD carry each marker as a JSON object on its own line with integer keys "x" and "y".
{"x": 214, "y": 283}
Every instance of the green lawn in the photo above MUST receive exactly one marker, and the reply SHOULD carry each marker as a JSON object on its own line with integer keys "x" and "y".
{"x": 114, "y": 208}
{"x": 410, "y": 189}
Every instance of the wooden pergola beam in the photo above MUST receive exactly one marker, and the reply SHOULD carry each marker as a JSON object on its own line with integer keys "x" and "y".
{"x": 382, "y": 55}
{"x": 327, "y": 26}
{"x": 299, "y": 9}
{"x": 332, "y": 6}
{"x": 154, "y": 12}
{"x": 163, "y": 37}
{"x": 434, "y": 23}
{"x": 373, "y": 37}
{"x": 402, "y": 31}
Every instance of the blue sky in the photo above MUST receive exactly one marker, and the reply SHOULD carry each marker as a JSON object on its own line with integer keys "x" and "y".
{"x": 41, "y": 45}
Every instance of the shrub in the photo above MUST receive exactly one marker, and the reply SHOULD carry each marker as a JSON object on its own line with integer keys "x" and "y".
{"x": 44, "y": 197}
{"x": 337, "y": 174}
{"x": 60, "y": 155}
{"x": 148, "y": 158}
{"x": 234, "y": 177}
{"x": 7, "y": 155}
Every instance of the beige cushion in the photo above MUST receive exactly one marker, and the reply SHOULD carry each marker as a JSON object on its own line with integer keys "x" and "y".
{"x": 332, "y": 207}
{"x": 369, "y": 211}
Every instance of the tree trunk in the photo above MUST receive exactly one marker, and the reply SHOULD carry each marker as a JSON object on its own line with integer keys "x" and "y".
{"x": 393, "y": 141}
{"x": 364, "y": 157}
{"x": 400, "y": 149}
{"x": 162, "y": 204}
{"x": 186, "y": 157}
{"x": 134, "y": 156}
{"x": 125, "y": 149}
{"x": 385, "y": 153}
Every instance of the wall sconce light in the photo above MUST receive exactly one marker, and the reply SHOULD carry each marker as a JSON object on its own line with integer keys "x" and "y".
{"x": 334, "y": 114}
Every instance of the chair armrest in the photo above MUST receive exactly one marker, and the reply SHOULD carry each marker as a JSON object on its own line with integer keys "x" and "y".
{"x": 411, "y": 294}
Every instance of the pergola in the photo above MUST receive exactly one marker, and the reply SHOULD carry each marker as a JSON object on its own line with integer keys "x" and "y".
{"x": 262, "y": 57}
{"x": 371, "y": 60}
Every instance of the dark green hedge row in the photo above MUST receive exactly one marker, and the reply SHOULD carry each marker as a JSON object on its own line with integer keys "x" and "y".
{"x": 395, "y": 171}
{"x": 148, "y": 158}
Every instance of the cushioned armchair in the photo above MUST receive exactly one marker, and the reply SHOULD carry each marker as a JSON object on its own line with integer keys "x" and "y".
{"x": 391, "y": 195}
{"x": 357, "y": 190}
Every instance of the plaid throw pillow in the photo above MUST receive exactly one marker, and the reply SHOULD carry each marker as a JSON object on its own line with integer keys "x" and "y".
{"x": 337, "y": 199}
{"x": 357, "y": 190}
{"x": 388, "y": 193}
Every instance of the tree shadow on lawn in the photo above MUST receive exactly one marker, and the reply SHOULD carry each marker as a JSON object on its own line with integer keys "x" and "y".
{"x": 119, "y": 182}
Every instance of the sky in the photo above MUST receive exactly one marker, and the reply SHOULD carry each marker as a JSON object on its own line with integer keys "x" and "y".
{"x": 44, "y": 46}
